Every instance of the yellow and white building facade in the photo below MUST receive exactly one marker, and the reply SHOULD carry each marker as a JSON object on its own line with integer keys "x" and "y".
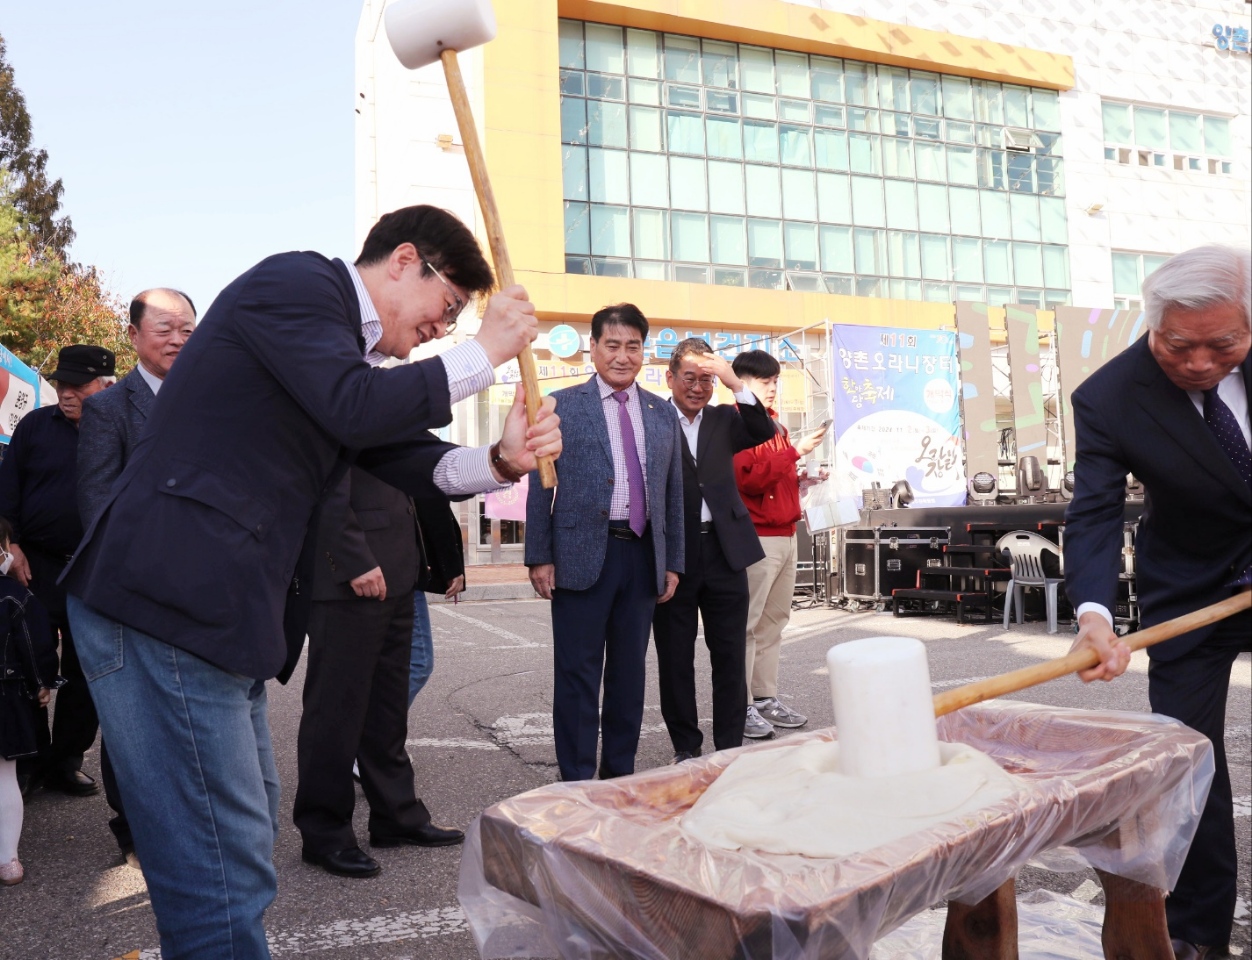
{"x": 749, "y": 170}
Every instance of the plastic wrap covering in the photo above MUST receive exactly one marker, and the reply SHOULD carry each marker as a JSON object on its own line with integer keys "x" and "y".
{"x": 600, "y": 869}
{"x": 1049, "y": 927}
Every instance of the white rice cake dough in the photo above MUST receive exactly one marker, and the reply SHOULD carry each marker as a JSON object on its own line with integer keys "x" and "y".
{"x": 792, "y": 800}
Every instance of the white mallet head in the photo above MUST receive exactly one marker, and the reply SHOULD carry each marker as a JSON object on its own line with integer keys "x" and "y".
{"x": 421, "y": 30}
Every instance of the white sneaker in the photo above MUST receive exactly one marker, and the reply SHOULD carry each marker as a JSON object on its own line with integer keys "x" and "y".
{"x": 755, "y": 727}
{"x": 779, "y": 714}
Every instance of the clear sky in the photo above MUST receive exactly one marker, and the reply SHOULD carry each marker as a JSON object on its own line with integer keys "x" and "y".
{"x": 193, "y": 138}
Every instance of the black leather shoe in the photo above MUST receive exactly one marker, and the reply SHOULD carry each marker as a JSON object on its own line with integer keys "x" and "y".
{"x": 1193, "y": 951}
{"x": 74, "y": 782}
{"x": 683, "y": 755}
{"x": 350, "y": 862}
{"x": 427, "y": 835}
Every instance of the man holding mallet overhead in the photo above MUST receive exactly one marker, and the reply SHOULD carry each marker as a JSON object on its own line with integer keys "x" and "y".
{"x": 191, "y": 588}
{"x": 1173, "y": 410}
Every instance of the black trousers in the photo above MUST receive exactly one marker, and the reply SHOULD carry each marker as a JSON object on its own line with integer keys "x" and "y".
{"x": 720, "y": 596}
{"x": 1193, "y": 689}
{"x": 74, "y": 722}
{"x": 356, "y": 690}
{"x": 603, "y": 632}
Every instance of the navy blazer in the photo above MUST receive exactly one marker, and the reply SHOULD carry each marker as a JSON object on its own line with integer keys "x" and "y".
{"x": 710, "y": 475}
{"x": 200, "y": 539}
{"x": 107, "y": 433}
{"x": 569, "y": 525}
{"x": 1194, "y": 534}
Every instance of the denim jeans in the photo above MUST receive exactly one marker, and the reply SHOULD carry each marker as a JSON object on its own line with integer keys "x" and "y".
{"x": 422, "y": 659}
{"x": 190, "y": 744}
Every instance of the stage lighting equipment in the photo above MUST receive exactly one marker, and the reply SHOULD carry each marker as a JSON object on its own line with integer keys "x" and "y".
{"x": 1067, "y": 487}
{"x": 901, "y": 493}
{"x": 1030, "y": 481}
{"x": 983, "y": 489}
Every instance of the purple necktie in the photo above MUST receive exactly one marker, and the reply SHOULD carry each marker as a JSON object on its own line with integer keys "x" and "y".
{"x": 1225, "y": 427}
{"x": 634, "y": 472}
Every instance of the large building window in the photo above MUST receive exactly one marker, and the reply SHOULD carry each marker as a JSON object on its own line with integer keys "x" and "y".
{"x": 1129, "y": 272}
{"x": 1141, "y": 136}
{"x": 712, "y": 162}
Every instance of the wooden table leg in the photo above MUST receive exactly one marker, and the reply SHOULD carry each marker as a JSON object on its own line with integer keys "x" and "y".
{"x": 985, "y": 931}
{"x": 1134, "y": 920}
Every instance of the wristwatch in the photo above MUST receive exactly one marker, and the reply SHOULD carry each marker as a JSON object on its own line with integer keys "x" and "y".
{"x": 502, "y": 466}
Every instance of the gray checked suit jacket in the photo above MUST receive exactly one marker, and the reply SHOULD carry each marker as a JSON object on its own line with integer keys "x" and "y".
{"x": 107, "y": 433}
{"x": 571, "y": 528}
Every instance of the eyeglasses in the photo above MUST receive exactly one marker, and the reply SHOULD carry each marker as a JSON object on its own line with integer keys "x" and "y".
{"x": 691, "y": 380}
{"x": 452, "y": 310}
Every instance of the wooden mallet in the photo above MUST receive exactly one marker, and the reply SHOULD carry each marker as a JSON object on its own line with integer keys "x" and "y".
{"x": 1006, "y": 683}
{"x": 421, "y": 32}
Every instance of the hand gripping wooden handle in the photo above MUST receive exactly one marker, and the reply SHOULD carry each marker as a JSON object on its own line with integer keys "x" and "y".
{"x": 495, "y": 234}
{"x": 1006, "y": 683}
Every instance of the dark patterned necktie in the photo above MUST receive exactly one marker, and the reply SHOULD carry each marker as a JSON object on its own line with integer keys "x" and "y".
{"x": 634, "y": 472}
{"x": 1226, "y": 428}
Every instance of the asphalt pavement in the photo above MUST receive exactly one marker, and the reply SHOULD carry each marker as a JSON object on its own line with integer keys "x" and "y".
{"x": 481, "y": 732}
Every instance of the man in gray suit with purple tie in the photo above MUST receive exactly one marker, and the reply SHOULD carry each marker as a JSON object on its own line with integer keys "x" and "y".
{"x": 606, "y": 546}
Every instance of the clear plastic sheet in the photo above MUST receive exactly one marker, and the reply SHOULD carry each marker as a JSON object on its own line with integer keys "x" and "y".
{"x": 600, "y": 869}
{"x": 1049, "y": 927}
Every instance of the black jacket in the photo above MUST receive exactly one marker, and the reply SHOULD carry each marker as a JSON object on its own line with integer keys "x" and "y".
{"x": 1195, "y": 535}
{"x": 28, "y": 651}
{"x": 205, "y": 541}
{"x": 710, "y": 474}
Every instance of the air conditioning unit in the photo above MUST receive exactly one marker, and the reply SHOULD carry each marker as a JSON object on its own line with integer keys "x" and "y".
{"x": 1019, "y": 140}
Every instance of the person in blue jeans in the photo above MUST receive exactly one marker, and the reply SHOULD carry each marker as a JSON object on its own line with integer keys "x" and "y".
{"x": 445, "y": 555}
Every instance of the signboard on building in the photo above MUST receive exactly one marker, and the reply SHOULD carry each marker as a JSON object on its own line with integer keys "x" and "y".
{"x": 1234, "y": 39}
{"x": 896, "y": 413}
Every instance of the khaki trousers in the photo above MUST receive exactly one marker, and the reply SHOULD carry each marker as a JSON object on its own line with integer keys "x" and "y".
{"x": 771, "y": 584}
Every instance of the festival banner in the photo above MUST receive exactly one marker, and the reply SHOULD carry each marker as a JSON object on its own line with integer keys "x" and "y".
{"x": 896, "y": 414}
{"x": 19, "y": 392}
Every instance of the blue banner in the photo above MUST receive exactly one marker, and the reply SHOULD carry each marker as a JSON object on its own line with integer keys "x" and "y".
{"x": 896, "y": 413}
{"x": 19, "y": 392}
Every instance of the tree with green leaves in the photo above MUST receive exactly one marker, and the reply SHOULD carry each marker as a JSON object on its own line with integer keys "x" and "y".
{"x": 30, "y": 191}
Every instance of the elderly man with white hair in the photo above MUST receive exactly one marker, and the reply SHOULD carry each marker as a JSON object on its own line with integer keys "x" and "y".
{"x": 1173, "y": 410}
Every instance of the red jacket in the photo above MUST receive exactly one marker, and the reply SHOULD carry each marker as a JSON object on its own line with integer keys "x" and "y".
{"x": 767, "y": 481}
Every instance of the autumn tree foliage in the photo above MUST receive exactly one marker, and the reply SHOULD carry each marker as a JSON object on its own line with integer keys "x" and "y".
{"x": 46, "y": 301}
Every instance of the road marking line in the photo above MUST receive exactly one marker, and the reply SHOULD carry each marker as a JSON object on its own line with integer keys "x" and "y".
{"x": 518, "y": 641}
{"x": 536, "y": 728}
{"x": 466, "y": 743}
{"x": 1243, "y": 806}
{"x": 354, "y": 932}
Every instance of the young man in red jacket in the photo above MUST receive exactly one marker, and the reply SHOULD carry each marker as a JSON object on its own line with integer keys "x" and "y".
{"x": 769, "y": 484}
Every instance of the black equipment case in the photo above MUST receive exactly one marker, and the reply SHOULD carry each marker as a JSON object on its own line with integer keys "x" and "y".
{"x": 877, "y": 560}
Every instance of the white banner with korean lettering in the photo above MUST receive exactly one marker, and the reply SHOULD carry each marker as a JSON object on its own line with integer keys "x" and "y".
{"x": 896, "y": 413}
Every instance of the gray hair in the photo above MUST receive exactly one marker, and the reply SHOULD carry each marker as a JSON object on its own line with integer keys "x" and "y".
{"x": 1199, "y": 278}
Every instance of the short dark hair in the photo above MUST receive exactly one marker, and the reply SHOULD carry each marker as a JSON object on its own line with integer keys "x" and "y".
{"x": 685, "y": 349}
{"x": 442, "y": 241}
{"x": 139, "y": 305}
{"x": 756, "y": 364}
{"x": 619, "y": 315}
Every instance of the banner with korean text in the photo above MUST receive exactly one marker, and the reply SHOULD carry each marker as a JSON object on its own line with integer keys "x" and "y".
{"x": 896, "y": 413}
{"x": 19, "y": 392}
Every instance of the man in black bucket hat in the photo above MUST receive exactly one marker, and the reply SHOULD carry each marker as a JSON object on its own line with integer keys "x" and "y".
{"x": 38, "y": 496}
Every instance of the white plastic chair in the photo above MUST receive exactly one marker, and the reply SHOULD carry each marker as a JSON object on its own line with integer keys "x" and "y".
{"x": 1025, "y": 551}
